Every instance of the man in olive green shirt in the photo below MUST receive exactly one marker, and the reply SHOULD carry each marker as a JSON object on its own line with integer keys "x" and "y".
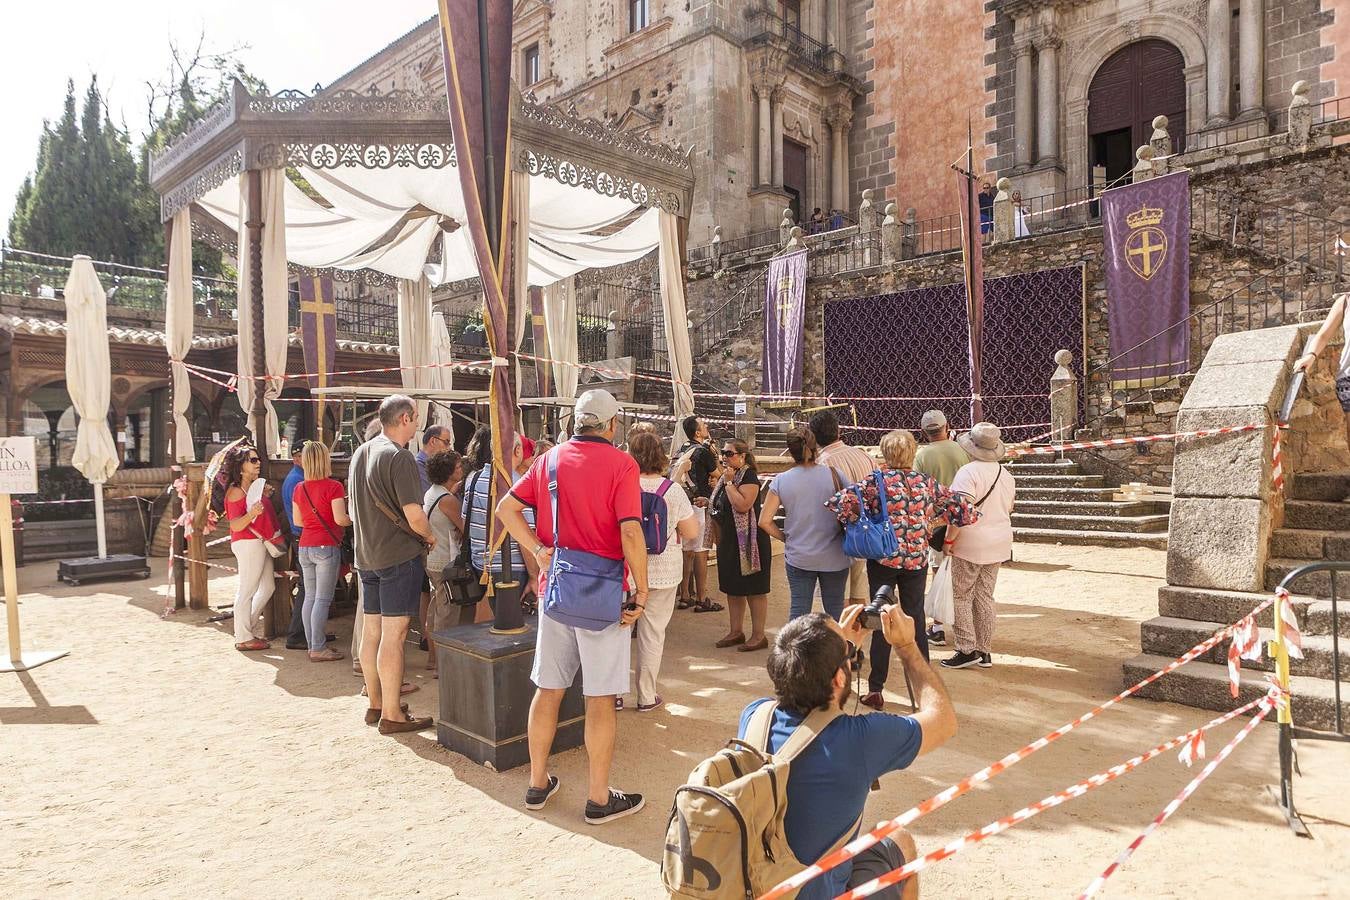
{"x": 941, "y": 457}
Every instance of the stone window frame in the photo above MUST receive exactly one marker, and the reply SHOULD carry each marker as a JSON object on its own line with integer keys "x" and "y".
{"x": 638, "y": 9}
{"x": 531, "y": 54}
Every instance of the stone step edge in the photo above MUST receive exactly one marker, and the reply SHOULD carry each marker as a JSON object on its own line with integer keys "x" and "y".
{"x": 1157, "y": 539}
{"x": 1321, "y": 643}
{"x": 1313, "y": 698}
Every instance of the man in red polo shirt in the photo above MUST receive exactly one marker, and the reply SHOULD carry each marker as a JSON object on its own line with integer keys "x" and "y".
{"x": 600, "y": 512}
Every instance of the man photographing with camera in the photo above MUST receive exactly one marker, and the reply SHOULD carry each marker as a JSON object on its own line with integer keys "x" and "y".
{"x": 812, "y": 664}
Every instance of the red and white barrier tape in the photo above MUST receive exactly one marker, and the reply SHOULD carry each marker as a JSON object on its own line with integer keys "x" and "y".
{"x": 1267, "y": 703}
{"x": 1127, "y": 441}
{"x": 1072, "y": 792}
{"x": 937, "y": 801}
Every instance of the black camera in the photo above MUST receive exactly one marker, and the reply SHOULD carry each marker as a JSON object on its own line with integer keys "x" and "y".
{"x": 870, "y": 617}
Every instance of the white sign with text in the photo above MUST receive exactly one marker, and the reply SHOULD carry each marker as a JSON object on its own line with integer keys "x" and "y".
{"x": 18, "y": 465}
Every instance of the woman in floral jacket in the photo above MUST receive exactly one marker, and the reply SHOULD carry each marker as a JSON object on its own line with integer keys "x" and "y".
{"x": 917, "y": 504}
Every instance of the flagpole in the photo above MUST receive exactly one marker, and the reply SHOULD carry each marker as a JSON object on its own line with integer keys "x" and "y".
{"x": 972, "y": 235}
{"x": 494, "y": 216}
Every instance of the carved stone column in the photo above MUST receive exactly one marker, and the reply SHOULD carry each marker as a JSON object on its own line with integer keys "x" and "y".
{"x": 777, "y": 135}
{"x": 1024, "y": 107}
{"x": 1047, "y": 99}
{"x": 764, "y": 171}
{"x": 840, "y": 119}
{"x": 1252, "y": 58}
{"x": 1218, "y": 39}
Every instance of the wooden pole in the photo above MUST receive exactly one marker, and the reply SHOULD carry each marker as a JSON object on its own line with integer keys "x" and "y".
{"x": 254, "y": 225}
{"x": 176, "y": 541}
{"x": 18, "y": 660}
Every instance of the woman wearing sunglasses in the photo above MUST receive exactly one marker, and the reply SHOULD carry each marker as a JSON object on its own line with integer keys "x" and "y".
{"x": 250, "y": 526}
{"x": 744, "y": 552}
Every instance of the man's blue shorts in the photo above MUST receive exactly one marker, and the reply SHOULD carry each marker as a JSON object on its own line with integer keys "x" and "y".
{"x": 395, "y": 591}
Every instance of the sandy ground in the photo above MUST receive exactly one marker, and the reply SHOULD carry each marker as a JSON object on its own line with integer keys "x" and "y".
{"x": 155, "y": 761}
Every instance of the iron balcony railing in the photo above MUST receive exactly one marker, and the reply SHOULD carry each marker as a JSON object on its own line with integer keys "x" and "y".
{"x": 25, "y": 273}
{"x": 1277, "y": 122}
{"x": 764, "y": 26}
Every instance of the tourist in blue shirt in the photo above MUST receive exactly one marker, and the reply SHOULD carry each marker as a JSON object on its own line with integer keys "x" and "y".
{"x": 810, "y": 665}
{"x": 295, "y": 635}
{"x": 436, "y": 439}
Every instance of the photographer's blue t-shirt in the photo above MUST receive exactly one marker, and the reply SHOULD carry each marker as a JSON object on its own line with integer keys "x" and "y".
{"x": 828, "y": 783}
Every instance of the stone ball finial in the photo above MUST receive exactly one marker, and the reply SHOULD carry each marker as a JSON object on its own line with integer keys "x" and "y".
{"x": 787, "y": 214}
{"x": 911, "y": 214}
{"x": 717, "y": 232}
{"x": 745, "y": 385}
{"x": 1160, "y": 123}
{"x": 614, "y": 317}
{"x": 1064, "y": 358}
{"x": 1300, "y": 88}
{"x": 1144, "y": 152}
{"x": 796, "y": 232}
{"x": 1004, "y": 184}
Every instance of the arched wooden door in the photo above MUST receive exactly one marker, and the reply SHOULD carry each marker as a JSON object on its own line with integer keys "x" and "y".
{"x": 1136, "y": 83}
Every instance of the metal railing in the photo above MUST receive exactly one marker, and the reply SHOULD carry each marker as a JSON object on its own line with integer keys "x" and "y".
{"x": 618, "y": 320}
{"x": 25, "y": 273}
{"x": 363, "y": 318}
{"x": 764, "y": 26}
{"x": 713, "y": 330}
{"x": 1265, "y": 228}
{"x": 1277, "y": 122}
{"x": 1288, "y": 732}
{"x": 829, "y": 255}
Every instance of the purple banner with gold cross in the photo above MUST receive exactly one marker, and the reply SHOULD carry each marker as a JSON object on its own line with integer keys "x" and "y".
{"x": 1147, "y": 236}
{"x": 318, "y": 327}
{"x": 784, "y": 320}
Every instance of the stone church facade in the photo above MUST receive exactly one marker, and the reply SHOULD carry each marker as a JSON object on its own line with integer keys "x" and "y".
{"x": 763, "y": 93}
{"x": 1052, "y": 88}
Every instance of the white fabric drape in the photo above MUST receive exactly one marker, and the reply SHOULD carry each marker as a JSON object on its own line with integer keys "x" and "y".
{"x": 415, "y": 339}
{"x": 560, "y": 321}
{"x": 442, "y": 355}
{"x": 276, "y": 298}
{"x": 178, "y": 329}
{"x": 520, "y": 263}
{"x": 89, "y": 371}
{"x": 675, "y": 315}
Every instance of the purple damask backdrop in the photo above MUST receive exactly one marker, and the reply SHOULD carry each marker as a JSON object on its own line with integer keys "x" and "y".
{"x": 913, "y": 344}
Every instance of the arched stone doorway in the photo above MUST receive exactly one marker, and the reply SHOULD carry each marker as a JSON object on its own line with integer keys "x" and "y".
{"x": 1136, "y": 83}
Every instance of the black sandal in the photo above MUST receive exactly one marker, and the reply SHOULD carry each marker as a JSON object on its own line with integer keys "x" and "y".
{"x": 707, "y": 605}
{"x": 683, "y": 603}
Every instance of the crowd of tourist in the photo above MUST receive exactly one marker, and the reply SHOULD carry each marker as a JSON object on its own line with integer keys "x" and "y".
{"x": 412, "y": 524}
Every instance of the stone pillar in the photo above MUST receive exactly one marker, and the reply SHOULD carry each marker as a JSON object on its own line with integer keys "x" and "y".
{"x": 613, "y": 340}
{"x": 832, "y": 24}
{"x": 1219, "y": 39}
{"x": 777, "y": 135}
{"x": 1047, "y": 100}
{"x": 869, "y": 217}
{"x": 785, "y": 227}
{"x": 890, "y": 236}
{"x": 1024, "y": 108}
{"x": 1003, "y": 212}
{"x": 764, "y": 171}
{"x": 1063, "y": 399}
{"x": 745, "y": 430}
{"x": 1143, "y": 169}
{"x": 1300, "y": 117}
{"x": 1160, "y": 140}
{"x": 716, "y": 253}
{"x": 1252, "y": 58}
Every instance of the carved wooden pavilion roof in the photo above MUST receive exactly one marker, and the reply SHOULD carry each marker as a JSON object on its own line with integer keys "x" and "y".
{"x": 406, "y": 129}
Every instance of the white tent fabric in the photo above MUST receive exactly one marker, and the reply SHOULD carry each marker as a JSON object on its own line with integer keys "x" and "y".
{"x": 415, "y": 339}
{"x": 560, "y": 321}
{"x": 89, "y": 371}
{"x": 442, "y": 355}
{"x": 178, "y": 329}
{"x": 276, "y": 288}
{"x": 676, "y": 315}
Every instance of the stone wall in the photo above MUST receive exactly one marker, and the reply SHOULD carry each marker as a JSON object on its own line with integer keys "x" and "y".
{"x": 1299, "y": 44}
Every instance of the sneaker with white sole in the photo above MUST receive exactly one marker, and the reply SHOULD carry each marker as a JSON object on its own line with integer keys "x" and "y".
{"x": 535, "y": 798}
{"x": 986, "y": 661}
{"x": 936, "y": 636}
{"x": 619, "y": 805}
{"x": 961, "y": 660}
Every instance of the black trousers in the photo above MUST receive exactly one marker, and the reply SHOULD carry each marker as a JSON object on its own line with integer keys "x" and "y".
{"x": 296, "y": 635}
{"x": 909, "y": 590}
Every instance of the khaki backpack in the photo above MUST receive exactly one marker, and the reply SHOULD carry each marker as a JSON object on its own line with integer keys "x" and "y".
{"x": 725, "y": 838}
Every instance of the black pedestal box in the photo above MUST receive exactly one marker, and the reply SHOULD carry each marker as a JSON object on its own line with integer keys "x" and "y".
{"x": 485, "y": 694}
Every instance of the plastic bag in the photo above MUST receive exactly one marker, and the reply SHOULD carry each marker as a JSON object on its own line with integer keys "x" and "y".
{"x": 940, "y": 604}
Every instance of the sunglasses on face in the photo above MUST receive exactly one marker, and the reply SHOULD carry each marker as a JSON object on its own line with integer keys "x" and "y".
{"x": 730, "y": 453}
{"x": 253, "y": 459}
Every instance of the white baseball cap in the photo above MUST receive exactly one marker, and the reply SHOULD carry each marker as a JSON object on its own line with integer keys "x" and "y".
{"x": 595, "y": 408}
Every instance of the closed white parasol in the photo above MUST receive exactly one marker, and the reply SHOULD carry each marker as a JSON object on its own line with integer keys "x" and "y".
{"x": 89, "y": 382}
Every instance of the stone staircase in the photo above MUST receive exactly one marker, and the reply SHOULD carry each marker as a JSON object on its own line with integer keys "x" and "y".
{"x": 1057, "y": 503}
{"x": 1316, "y": 527}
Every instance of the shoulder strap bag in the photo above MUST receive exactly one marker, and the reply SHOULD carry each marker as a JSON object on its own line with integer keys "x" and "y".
{"x": 938, "y": 537}
{"x": 584, "y": 590}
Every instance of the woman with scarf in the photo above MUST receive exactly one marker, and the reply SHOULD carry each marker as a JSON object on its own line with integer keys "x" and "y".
{"x": 744, "y": 553}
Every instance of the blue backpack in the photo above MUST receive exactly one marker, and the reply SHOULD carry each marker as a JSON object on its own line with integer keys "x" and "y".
{"x": 583, "y": 589}
{"x": 655, "y": 517}
{"x": 871, "y": 538}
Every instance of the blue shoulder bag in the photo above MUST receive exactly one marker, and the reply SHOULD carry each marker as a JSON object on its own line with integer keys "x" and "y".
{"x": 584, "y": 590}
{"x": 869, "y": 538}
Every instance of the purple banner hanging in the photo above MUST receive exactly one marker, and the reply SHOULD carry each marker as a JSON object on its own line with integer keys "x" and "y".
{"x": 784, "y": 318}
{"x": 318, "y": 327}
{"x": 1146, "y": 231}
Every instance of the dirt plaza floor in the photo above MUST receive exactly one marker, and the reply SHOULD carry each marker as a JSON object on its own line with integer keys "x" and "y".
{"x": 155, "y": 761}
